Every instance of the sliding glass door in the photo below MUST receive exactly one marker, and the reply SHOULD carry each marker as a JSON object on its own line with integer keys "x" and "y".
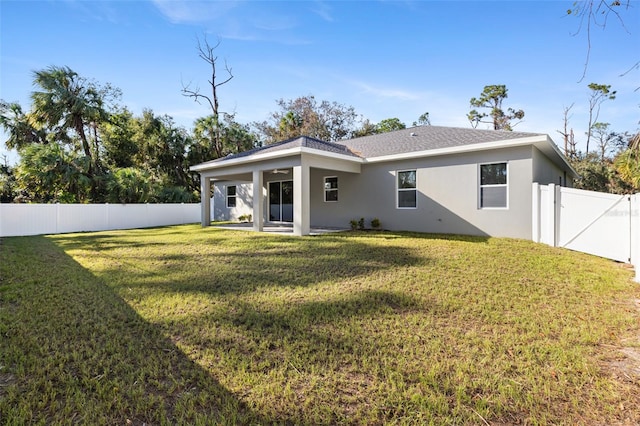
{"x": 281, "y": 201}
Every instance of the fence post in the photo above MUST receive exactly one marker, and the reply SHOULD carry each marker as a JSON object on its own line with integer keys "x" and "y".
{"x": 550, "y": 212}
{"x": 634, "y": 230}
{"x": 57, "y": 216}
{"x": 535, "y": 213}
{"x": 557, "y": 204}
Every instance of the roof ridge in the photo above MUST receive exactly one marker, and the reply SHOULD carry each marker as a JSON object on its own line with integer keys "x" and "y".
{"x": 411, "y": 139}
{"x": 438, "y": 127}
{"x": 322, "y": 141}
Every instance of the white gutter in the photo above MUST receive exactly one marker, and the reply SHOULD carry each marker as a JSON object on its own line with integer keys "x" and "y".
{"x": 270, "y": 156}
{"x": 458, "y": 149}
{"x": 541, "y": 141}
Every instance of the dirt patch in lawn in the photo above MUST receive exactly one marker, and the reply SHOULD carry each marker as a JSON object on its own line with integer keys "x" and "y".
{"x": 624, "y": 366}
{"x": 629, "y": 364}
{"x": 6, "y": 380}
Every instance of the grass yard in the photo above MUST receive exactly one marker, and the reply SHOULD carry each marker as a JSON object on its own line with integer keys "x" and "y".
{"x": 184, "y": 325}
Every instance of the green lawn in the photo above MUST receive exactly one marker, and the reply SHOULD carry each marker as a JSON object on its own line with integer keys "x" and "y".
{"x": 184, "y": 325}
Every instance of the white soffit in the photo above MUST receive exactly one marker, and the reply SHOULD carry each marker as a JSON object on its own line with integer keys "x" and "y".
{"x": 460, "y": 149}
{"x": 270, "y": 156}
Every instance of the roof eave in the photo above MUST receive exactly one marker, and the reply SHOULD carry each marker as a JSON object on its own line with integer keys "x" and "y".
{"x": 561, "y": 159}
{"x": 542, "y": 142}
{"x": 270, "y": 156}
{"x": 483, "y": 146}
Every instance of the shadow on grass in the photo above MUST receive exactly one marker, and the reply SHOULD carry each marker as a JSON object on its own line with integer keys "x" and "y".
{"x": 240, "y": 333}
{"x": 76, "y": 352}
{"x": 72, "y": 351}
{"x": 368, "y": 303}
{"x": 235, "y": 262}
{"x": 314, "y": 328}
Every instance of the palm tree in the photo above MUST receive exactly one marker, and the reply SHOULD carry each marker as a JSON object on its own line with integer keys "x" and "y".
{"x": 68, "y": 102}
{"x": 206, "y": 131}
{"x": 130, "y": 185}
{"x": 20, "y": 126}
{"x": 49, "y": 173}
{"x": 628, "y": 163}
{"x": 290, "y": 125}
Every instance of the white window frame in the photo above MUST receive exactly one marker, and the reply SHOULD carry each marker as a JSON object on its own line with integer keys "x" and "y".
{"x": 398, "y": 189}
{"x": 500, "y": 185}
{"x": 228, "y": 197}
{"x": 327, "y": 190}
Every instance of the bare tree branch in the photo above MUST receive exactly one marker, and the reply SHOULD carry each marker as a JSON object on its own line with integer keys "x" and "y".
{"x": 569, "y": 145}
{"x": 634, "y": 66}
{"x": 590, "y": 11}
{"x": 206, "y": 52}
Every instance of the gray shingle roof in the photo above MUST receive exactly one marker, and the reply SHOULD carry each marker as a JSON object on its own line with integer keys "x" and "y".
{"x": 424, "y": 138}
{"x": 297, "y": 142}
{"x": 414, "y": 139}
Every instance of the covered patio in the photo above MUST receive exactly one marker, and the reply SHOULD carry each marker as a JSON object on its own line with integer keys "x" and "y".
{"x": 283, "y": 229}
{"x": 296, "y": 158}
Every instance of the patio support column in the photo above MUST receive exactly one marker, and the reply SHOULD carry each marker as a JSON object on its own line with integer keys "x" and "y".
{"x": 258, "y": 201}
{"x": 301, "y": 200}
{"x": 205, "y": 201}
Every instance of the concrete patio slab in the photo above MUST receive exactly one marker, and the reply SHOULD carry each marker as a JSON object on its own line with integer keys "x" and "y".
{"x": 276, "y": 228}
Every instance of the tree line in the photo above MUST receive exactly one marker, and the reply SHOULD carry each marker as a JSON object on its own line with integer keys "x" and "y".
{"x": 611, "y": 159}
{"x": 77, "y": 144}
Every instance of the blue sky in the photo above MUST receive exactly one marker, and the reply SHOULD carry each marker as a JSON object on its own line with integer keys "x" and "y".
{"x": 384, "y": 58}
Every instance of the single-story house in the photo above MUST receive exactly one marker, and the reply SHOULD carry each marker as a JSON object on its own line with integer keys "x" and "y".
{"x": 428, "y": 179}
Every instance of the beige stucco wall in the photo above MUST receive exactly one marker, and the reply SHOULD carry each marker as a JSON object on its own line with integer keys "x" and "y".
{"x": 545, "y": 172}
{"x": 447, "y": 195}
{"x": 448, "y": 192}
{"x": 244, "y": 200}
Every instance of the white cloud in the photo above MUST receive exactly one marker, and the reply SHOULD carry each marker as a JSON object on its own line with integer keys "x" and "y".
{"x": 323, "y": 10}
{"x": 183, "y": 12}
{"x": 384, "y": 92}
{"x": 99, "y": 11}
{"x": 230, "y": 20}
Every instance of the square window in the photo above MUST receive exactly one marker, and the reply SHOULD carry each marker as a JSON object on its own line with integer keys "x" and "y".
{"x": 331, "y": 195}
{"x": 407, "y": 189}
{"x": 331, "y": 189}
{"x": 407, "y": 199}
{"x": 493, "y": 174}
{"x": 493, "y": 196}
{"x": 407, "y": 179}
{"x": 231, "y": 196}
{"x": 493, "y": 185}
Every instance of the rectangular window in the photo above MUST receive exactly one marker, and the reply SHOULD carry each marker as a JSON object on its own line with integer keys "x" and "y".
{"x": 407, "y": 189}
{"x": 331, "y": 188}
{"x": 493, "y": 185}
{"x": 231, "y": 196}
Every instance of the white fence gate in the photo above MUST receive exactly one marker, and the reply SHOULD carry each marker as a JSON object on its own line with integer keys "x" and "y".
{"x": 39, "y": 219}
{"x": 606, "y": 225}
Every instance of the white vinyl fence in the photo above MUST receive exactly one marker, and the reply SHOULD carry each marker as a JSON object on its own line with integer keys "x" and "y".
{"x": 39, "y": 219}
{"x": 606, "y": 225}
